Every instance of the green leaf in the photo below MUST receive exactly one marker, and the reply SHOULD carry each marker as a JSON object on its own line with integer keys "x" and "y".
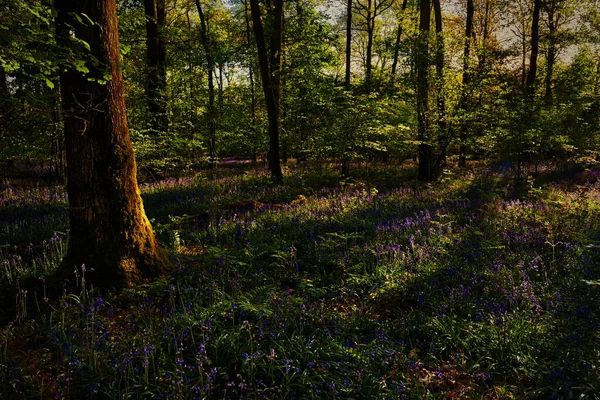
{"x": 81, "y": 67}
{"x": 49, "y": 83}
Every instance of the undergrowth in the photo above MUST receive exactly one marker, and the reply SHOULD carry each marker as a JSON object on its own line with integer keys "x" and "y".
{"x": 322, "y": 288}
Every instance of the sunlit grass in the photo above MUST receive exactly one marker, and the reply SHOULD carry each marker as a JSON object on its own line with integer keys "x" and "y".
{"x": 466, "y": 288}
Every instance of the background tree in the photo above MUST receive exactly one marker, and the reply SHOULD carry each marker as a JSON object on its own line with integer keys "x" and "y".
{"x": 397, "y": 42}
{"x": 156, "y": 55}
{"x": 270, "y": 70}
{"x": 369, "y": 10}
{"x": 440, "y": 53}
{"x": 348, "y": 44}
{"x": 109, "y": 231}
{"x": 466, "y": 81}
{"x": 535, "y": 46}
{"x": 423, "y": 118}
{"x": 205, "y": 36}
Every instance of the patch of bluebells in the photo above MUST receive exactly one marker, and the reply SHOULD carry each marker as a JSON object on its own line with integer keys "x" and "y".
{"x": 418, "y": 284}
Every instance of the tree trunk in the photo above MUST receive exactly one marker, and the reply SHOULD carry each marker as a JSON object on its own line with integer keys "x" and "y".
{"x": 4, "y": 110}
{"x": 397, "y": 44}
{"x": 210, "y": 65}
{"x": 486, "y": 33}
{"x": 4, "y": 92}
{"x": 370, "y": 32}
{"x": 157, "y": 61}
{"x": 252, "y": 92}
{"x": 4, "y": 107}
{"x": 348, "y": 44}
{"x": 270, "y": 71}
{"x": 535, "y": 46}
{"x": 441, "y": 96}
{"x": 422, "y": 64}
{"x": 466, "y": 81}
{"x": 109, "y": 231}
{"x": 551, "y": 54}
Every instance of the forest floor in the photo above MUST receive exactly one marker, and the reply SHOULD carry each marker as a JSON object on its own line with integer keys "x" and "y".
{"x": 371, "y": 287}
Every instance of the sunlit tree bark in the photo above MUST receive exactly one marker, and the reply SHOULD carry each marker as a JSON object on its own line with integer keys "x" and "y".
{"x": 109, "y": 231}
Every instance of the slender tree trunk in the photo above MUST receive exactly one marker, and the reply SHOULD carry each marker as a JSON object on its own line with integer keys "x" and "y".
{"x": 270, "y": 70}
{"x": 4, "y": 92}
{"x": 423, "y": 117}
{"x": 109, "y": 230}
{"x": 345, "y": 161}
{"x": 486, "y": 35}
{"x": 348, "y": 44}
{"x": 192, "y": 102}
{"x": 4, "y": 108}
{"x": 370, "y": 32}
{"x": 252, "y": 92}
{"x": 441, "y": 95}
{"x": 210, "y": 65}
{"x": 4, "y": 101}
{"x": 398, "y": 39}
{"x": 157, "y": 60}
{"x": 58, "y": 143}
{"x": 535, "y": 46}
{"x": 466, "y": 82}
{"x": 551, "y": 54}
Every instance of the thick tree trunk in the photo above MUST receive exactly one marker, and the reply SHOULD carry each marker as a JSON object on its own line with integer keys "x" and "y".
{"x": 270, "y": 70}
{"x": 210, "y": 65}
{"x": 156, "y": 54}
{"x": 397, "y": 44}
{"x": 109, "y": 231}
{"x": 466, "y": 82}
{"x": 535, "y": 46}
{"x": 423, "y": 117}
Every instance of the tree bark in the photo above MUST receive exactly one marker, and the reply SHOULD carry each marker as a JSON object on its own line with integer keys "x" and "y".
{"x": 4, "y": 109}
{"x": 551, "y": 53}
{"x": 397, "y": 44}
{"x": 109, "y": 231}
{"x": 370, "y": 11}
{"x": 156, "y": 54}
{"x": 252, "y": 92}
{"x": 210, "y": 65}
{"x": 423, "y": 119}
{"x": 370, "y": 32}
{"x": 482, "y": 55}
{"x": 466, "y": 81}
{"x": 441, "y": 96}
{"x": 348, "y": 44}
{"x": 535, "y": 46}
{"x": 270, "y": 71}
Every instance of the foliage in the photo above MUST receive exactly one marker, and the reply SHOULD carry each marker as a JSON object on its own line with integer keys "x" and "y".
{"x": 318, "y": 289}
